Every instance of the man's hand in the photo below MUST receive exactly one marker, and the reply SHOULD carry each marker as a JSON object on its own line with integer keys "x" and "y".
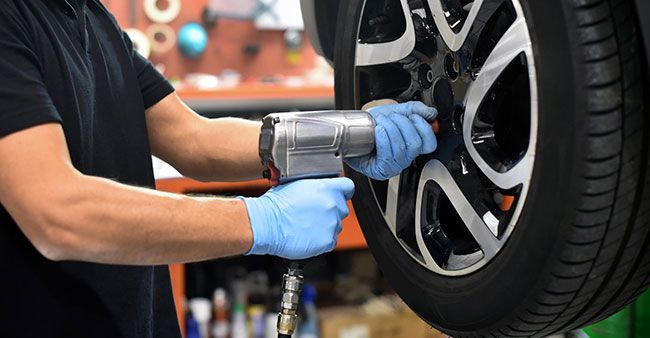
{"x": 402, "y": 134}
{"x": 300, "y": 219}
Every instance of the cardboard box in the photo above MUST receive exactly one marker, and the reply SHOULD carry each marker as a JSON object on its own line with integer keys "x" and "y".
{"x": 352, "y": 322}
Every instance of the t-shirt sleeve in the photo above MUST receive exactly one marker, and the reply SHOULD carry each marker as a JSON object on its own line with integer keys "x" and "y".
{"x": 24, "y": 99}
{"x": 153, "y": 85}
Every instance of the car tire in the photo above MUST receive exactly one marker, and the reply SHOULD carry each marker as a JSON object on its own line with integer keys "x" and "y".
{"x": 579, "y": 249}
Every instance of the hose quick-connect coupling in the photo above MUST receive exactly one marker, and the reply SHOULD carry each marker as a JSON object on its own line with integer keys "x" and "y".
{"x": 291, "y": 286}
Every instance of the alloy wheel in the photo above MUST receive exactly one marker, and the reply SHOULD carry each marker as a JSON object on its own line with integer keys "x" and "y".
{"x": 453, "y": 210}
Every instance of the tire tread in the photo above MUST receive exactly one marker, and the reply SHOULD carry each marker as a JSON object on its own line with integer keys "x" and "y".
{"x": 609, "y": 238}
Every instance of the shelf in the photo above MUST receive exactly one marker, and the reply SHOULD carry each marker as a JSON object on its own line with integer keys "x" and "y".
{"x": 256, "y": 98}
{"x": 256, "y": 91}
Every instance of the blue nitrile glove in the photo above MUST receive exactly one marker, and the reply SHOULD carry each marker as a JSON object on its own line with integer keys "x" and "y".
{"x": 402, "y": 134}
{"x": 300, "y": 219}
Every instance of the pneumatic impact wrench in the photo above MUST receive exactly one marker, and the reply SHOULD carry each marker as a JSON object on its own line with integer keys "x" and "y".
{"x": 303, "y": 145}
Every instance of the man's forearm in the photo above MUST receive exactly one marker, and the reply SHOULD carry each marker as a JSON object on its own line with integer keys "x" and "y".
{"x": 223, "y": 149}
{"x": 99, "y": 220}
{"x": 228, "y": 150}
{"x": 67, "y": 215}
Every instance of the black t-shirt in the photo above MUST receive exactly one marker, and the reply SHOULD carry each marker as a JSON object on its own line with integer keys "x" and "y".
{"x": 68, "y": 62}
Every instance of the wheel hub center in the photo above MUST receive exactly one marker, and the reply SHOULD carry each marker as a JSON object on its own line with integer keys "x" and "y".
{"x": 443, "y": 97}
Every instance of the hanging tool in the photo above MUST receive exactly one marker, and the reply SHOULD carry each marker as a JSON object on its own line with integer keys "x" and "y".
{"x": 162, "y": 37}
{"x": 162, "y": 15}
{"x": 133, "y": 13}
{"x": 305, "y": 145}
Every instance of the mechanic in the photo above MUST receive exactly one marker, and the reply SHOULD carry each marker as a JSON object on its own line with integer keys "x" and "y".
{"x": 83, "y": 238}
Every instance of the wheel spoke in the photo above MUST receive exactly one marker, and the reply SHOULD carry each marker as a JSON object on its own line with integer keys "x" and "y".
{"x": 368, "y": 54}
{"x": 391, "y": 203}
{"x": 519, "y": 174}
{"x": 515, "y": 41}
{"x": 453, "y": 40}
{"x": 512, "y": 43}
{"x": 436, "y": 171}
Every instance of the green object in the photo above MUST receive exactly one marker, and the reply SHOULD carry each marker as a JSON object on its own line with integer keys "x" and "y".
{"x": 239, "y": 308}
{"x": 616, "y": 326}
{"x": 631, "y": 322}
{"x": 642, "y": 316}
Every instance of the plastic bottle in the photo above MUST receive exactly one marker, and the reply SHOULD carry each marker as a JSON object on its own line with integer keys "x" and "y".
{"x": 239, "y": 329}
{"x": 258, "y": 298}
{"x": 201, "y": 311}
{"x": 309, "y": 326}
{"x": 220, "y": 326}
{"x": 191, "y": 327}
{"x": 256, "y": 315}
{"x": 270, "y": 325}
{"x": 271, "y": 317}
{"x": 238, "y": 320}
